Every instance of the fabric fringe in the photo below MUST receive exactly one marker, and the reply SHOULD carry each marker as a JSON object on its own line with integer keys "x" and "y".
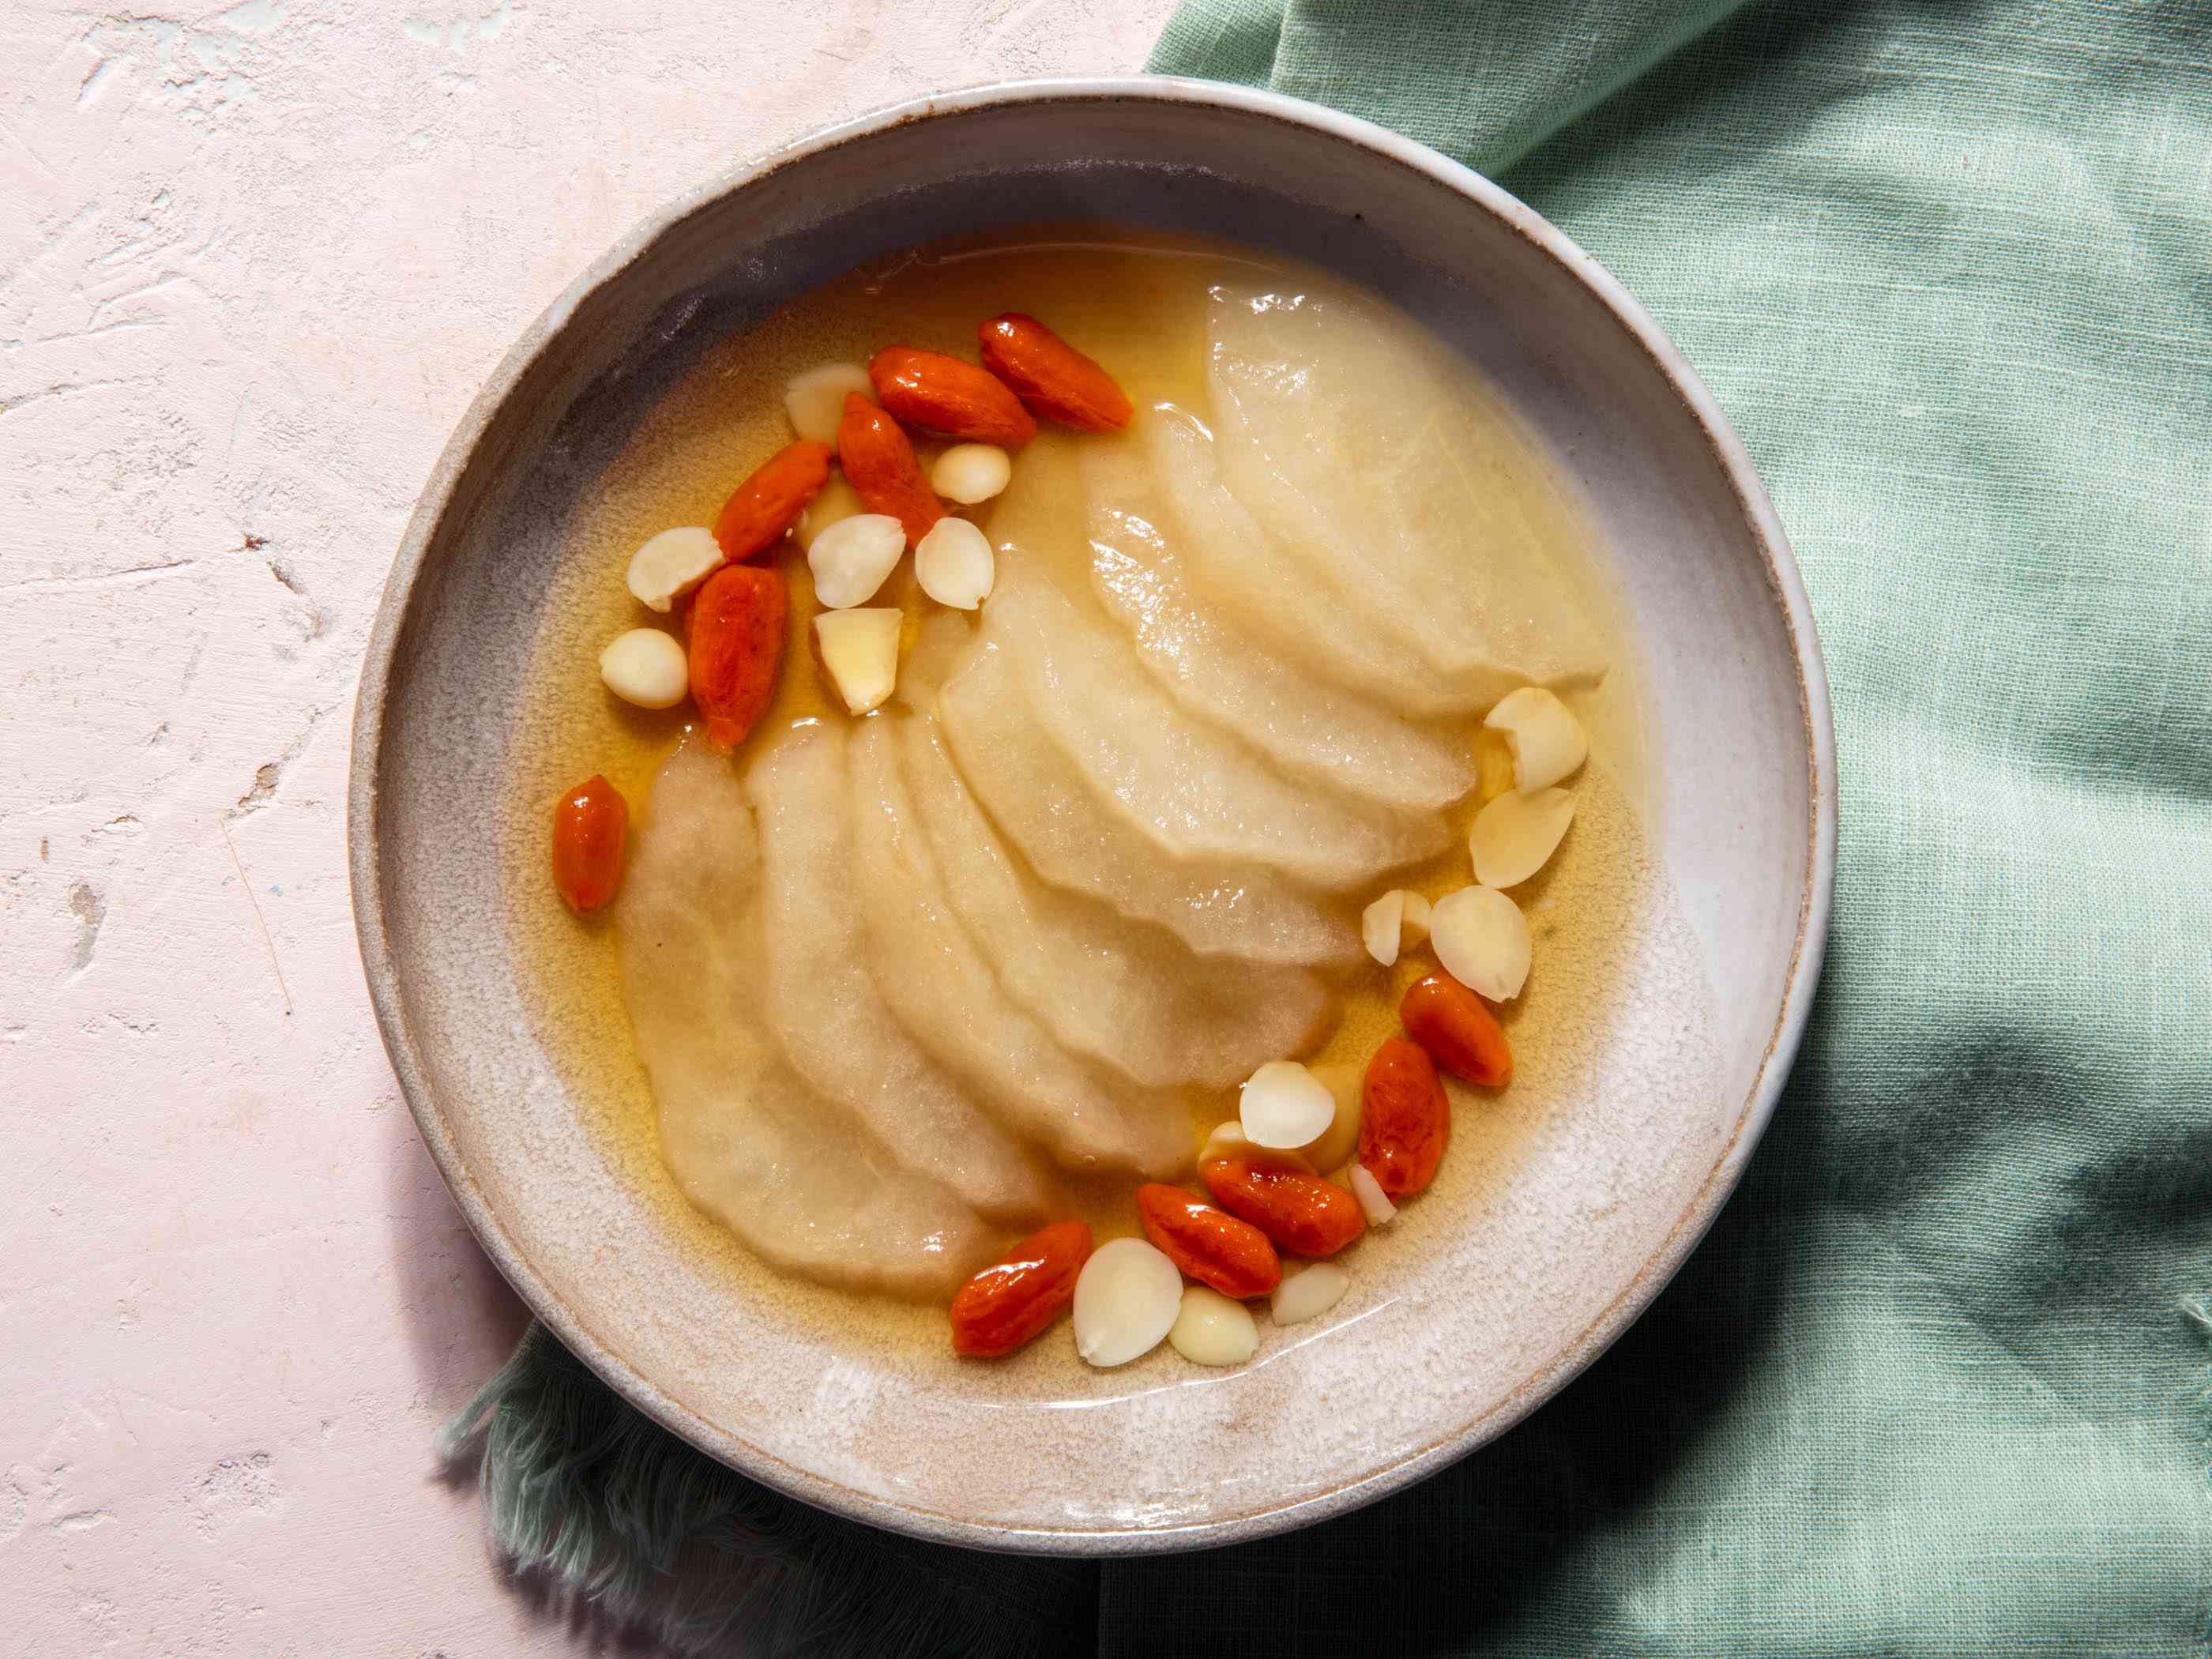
{"x": 631, "y": 1525}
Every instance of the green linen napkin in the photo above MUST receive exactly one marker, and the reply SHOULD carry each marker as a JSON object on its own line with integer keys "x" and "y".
{"x": 1930, "y": 1388}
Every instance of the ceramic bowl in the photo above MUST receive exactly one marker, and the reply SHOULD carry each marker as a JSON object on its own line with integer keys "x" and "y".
{"x": 1439, "y": 1348}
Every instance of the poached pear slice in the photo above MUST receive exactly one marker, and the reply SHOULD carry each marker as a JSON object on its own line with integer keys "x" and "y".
{"x": 822, "y": 1004}
{"x": 799, "y": 1178}
{"x": 932, "y": 978}
{"x": 1127, "y": 992}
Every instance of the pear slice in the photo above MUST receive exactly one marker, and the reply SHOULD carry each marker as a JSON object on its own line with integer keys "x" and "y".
{"x": 797, "y": 1178}
{"x": 1043, "y": 804}
{"x": 930, "y": 976}
{"x": 1194, "y": 791}
{"x": 1127, "y": 993}
{"x": 1343, "y": 431}
{"x": 1319, "y": 730}
{"x": 823, "y": 1008}
{"x": 1232, "y": 564}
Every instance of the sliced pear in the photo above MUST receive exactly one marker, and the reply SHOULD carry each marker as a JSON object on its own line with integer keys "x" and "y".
{"x": 1341, "y": 428}
{"x": 1041, "y": 802}
{"x": 1191, "y": 789}
{"x": 799, "y": 1179}
{"x": 821, "y": 1006}
{"x": 1234, "y": 564}
{"x": 930, "y": 976}
{"x": 1127, "y": 993}
{"x": 1318, "y": 730}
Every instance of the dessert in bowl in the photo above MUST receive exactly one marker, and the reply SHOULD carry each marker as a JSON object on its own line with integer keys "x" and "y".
{"x": 1049, "y": 887}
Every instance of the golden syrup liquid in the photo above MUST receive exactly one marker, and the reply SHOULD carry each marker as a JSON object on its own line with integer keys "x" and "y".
{"x": 1135, "y": 300}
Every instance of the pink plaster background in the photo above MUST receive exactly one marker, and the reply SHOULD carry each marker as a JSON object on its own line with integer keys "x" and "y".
{"x": 253, "y": 264}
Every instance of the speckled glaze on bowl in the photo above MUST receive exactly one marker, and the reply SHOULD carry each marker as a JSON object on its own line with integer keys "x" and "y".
{"x": 1428, "y": 1358}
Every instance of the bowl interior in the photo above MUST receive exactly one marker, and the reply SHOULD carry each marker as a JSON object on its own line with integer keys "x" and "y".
{"x": 1570, "y": 1227}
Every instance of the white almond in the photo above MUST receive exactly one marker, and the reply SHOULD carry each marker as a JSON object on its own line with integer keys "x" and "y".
{"x": 969, "y": 473}
{"x": 1210, "y": 1330}
{"x": 647, "y": 667}
{"x": 816, "y": 400}
{"x": 1382, "y": 924}
{"x": 1516, "y": 835}
{"x": 1127, "y": 1297}
{"x": 859, "y": 651}
{"x": 1482, "y": 939}
{"x": 851, "y": 557}
{"x": 1284, "y": 1105}
{"x": 837, "y": 502}
{"x": 1341, "y": 1139}
{"x": 1395, "y": 924}
{"x": 954, "y": 563}
{"x": 1547, "y": 740}
{"x": 671, "y": 564}
{"x": 1308, "y": 1290}
{"x": 1372, "y": 1199}
{"x": 1228, "y": 1140}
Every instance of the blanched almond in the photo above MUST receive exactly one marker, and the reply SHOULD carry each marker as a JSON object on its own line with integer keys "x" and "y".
{"x": 851, "y": 557}
{"x": 860, "y": 652}
{"x": 1212, "y": 1329}
{"x": 671, "y": 564}
{"x": 1380, "y": 924}
{"x": 1396, "y": 922}
{"x": 1482, "y": 939}
{"x": 955, "y": 565}
{"x": 1517, "y": 834}
{"x": 1228, "y": 1140}
{"x": 1372, "y": 1199}
{"x": 1334, "y": 1144}
{"x": 1126, "y": 1299}
{"x": 1547, "y": 740}
{"x": 816, "y": 400}
{"x": 969, "y": 473}
{"x": 647, "y": 667}
{"x": 1284, "y": 1105}
{"x": 837, "y": 503}
{"x": 1308, "y": 1290}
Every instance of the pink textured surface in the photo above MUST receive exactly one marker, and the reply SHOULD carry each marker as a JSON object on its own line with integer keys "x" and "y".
{"x": 253, "y": 264}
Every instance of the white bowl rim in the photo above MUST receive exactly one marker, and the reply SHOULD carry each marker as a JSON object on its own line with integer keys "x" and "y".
{"x": 1546, "y": 1380}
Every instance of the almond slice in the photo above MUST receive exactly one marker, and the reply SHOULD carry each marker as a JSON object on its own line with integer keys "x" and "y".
{"x": 1517, "y": 834}
{"x": 647, "y": 667}
{"x": 1394, "y": 924}
{"x": 851, "y": 557}
{"x": 955, "y": 565}
{"x": 1372, "y": 1199}
{"x": 1212, "y": 1329}
{"x": 1482, "y": 939}
{"x": 671, "y": 564}
{"x": 969, "y": 473}
{"x": 1285, "y": 1105}
{"x": 1308, "y": 1290}
{"x": 1382, "y": 923}
{"x": 1127, "y": 1297}
{"x": 1547, "y": 740}
{"x": 860, "y": 652}
{"x": 816, "y": 400}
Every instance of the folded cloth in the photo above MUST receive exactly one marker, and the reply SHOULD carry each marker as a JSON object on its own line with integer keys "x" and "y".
{"x": 1929, "y": 1389}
